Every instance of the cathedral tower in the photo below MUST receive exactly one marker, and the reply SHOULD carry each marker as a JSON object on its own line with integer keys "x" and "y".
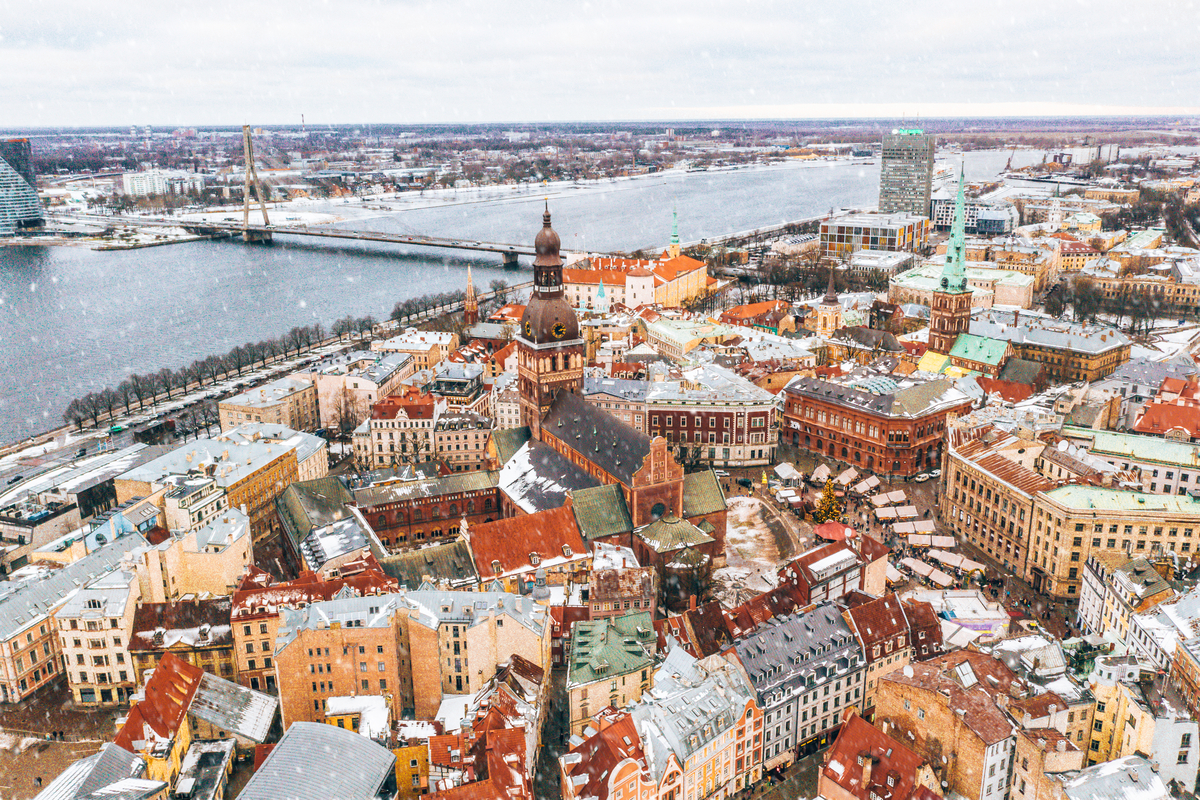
{"x": 950, "y": 311}
{"x": 549, "y": 348}
{"x": 470, "y": 302}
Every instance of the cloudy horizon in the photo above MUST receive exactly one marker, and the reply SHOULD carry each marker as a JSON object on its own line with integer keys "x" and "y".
{"x": 396, "y": 62}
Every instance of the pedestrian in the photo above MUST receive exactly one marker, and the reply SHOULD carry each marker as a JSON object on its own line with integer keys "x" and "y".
{"x": 37, "y": 781}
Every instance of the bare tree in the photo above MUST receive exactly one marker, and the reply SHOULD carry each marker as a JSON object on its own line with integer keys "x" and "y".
{"x": 142, "y": 386}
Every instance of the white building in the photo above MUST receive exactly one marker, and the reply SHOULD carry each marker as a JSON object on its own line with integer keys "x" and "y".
{"x": 141, "y": 184}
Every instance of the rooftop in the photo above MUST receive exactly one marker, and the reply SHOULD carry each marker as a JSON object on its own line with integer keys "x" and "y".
{"x": 269, "y": 394}
{"x": 351, "y": 767}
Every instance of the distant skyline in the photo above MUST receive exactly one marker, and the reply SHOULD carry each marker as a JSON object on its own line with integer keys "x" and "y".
{"x": 76, "y": 63}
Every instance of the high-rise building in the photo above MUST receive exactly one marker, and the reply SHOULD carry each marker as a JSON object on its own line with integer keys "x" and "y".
{"x": 19, "y": 205}
{"x": 906, "y": 172}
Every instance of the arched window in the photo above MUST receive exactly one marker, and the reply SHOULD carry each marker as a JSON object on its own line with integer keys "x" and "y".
{"x": 381, "y": 521}
{"x": 454, "y": 509}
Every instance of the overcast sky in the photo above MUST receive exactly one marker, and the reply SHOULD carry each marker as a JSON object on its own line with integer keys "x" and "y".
{"x": 91, "y": 62}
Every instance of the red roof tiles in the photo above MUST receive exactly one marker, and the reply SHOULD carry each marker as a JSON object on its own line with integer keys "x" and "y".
{"x": 867, "y": 763}
{"x": 168, "y": 696}
{"x": 509, "y": 543}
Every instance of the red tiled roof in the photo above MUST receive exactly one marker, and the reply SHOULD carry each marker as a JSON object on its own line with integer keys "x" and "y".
{"x": 601, "y": 753}
{"x": 939, "y": 679}
{"x": 783, "y": 599}
{"x": 751, "y": 310}
{"x": 861, "y": 746}
{"x": 877, "y": 622}
{"x": 511, "y": 541}
{"x": 411, "y": 402}
{"x": 307, "y": 587}
{"x": 594, "y": 276}
{"x": 564, "y": 617}
{"x": 1008, "y": 391}
{"x": 169, "y": 694}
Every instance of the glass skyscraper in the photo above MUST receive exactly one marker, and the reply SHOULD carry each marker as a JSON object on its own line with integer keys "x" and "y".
{"x": 906, "y": 172}
{"x": 19, "y": 205}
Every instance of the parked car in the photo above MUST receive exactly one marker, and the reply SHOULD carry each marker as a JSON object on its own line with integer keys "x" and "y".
{"x": 924, "y": 476}
{"x": 935, "y": 473}
{"x": 720, "y": 473}
{"x": 746, "y": 482}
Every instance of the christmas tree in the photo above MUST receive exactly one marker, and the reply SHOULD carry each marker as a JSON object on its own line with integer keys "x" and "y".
{"x": 827, "y": 506}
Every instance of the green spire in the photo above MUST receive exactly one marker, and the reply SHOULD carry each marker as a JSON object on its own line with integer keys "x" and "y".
{"x": 954, "y": 274}
{"x": 674, "y": 226}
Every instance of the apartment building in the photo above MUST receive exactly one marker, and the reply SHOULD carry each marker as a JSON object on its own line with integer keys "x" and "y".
{"x": 30, "y": 643}
{"x": 899, "y": 231}
{"x": 807, "y": 670}
{"x": 421, "y": 645}
{"x": 95, "y": 625}
{"x": 399, "y": 430}
{"x": 460, "y": 440}
{"x": 348, "y": 384}
{"x": 609, "y": 664}
{"x": 260, "y": 600}
{"x": 209, "y": 560}
{"x": 426, "y": 348}
{"x": 193, "y": 630}
{"x": 291, "y": 402}
{"x": 882, "y": 629}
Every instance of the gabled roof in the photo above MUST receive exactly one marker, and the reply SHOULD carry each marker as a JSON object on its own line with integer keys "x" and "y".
{"x": 893, "y": 766}
{"x": 449, "y": 561}
{"x": 508, "y": 441}
{"x": 538, "y": 478}
{"x": 350, "y": 766}
{"x": 167, "y": 697}
{"x": 234, "y": 708}
{"x": 597, "y": 436}
{"x": 702, "y": 494}
{"x": 1020, "y": 370}
{"x": 601, "y": 511}
{"x": 508, "y": 546}
{"x": 592, "y": 761}
{"x": 878, "y": 621}
{"x": 979, "y": 349}
{"x": 190, "y": 623}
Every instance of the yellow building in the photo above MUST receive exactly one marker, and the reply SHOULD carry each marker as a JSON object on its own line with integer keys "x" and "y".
{"x": 210, "y": 560}
{"x": 1112, "y": 194}
{"x": 291, "y": 402}
{"x": 95, "y": 626}
{"x": 1135, "y": 715}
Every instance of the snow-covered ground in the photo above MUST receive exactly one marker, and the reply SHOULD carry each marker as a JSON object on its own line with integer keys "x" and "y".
{"x": 751, "y": 550}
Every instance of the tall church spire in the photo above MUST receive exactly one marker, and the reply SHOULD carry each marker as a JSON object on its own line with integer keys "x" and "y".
{"x": 954, "y": 274}
{"x": 471, "y": 301}
{"x": 831, "y": 298}
{"x": 674, "y": 234}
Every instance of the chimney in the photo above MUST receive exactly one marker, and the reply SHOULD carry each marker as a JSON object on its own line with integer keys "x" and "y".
{"x": 692, "y": 603}
{"x": 1061, "y": 746}
{"x": 866, "y": 772}
{"x": 1016, "y": 317}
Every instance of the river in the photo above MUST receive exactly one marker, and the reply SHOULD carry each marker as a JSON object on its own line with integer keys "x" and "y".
{"x": 73, "y": 320}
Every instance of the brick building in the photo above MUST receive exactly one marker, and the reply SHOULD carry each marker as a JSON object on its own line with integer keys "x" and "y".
{"x": 883, "y": 634}
{"x": 415, "y": 646}
{"x": 888, "y": 427}
{"x": 260, "y": 600}
{"x": 413, "y": 513}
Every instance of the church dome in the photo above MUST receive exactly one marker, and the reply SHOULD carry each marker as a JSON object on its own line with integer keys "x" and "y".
{"x": 549, "y": 319}
{"x": 547, "y": 244}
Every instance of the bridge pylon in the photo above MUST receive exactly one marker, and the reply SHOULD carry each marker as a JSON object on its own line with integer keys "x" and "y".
{"x": 252, "y": 174}
{"x": 511, "y": 260}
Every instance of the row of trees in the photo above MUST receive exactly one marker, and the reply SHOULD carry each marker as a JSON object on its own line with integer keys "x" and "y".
{"x": 1087, "y": 301}
{"x": 419, "y": 305}
{"x": 167, "y": 383}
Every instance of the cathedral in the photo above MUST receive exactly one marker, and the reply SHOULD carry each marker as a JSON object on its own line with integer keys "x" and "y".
{"x": 568, "y": 449}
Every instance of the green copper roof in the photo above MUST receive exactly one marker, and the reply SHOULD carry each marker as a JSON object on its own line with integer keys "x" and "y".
{"x": 671, "y": 533}
{"x": 954, "y": 276}
{"x": 1094, "y": 498}
{"x": 979, "y": 348}
{"x": 702, "y": 494}
{"x": 604, "y": 649}
{"x": 600, "y": 511}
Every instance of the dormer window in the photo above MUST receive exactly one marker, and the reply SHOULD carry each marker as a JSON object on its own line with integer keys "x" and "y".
{"x": 566, "y": 551}
{"x": 496, "y": 567}
{"x": 534, "y": 559}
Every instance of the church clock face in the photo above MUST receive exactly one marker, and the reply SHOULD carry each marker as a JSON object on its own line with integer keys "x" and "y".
{"x": 559, "y": 330}
{"x": 528, "y": 330}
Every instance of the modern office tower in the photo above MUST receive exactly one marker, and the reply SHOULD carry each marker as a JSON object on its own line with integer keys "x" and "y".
{"x": 906, "y": 172}
{"x": 19, "y": 206}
